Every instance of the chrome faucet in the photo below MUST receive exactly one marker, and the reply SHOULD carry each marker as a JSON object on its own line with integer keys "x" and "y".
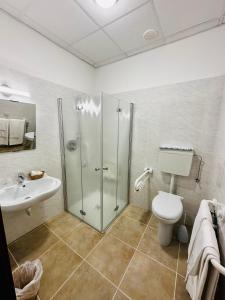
{"x": 20, "y": 179}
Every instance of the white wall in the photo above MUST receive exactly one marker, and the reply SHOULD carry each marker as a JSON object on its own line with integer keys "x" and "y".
{"x": 200, "y": 56}
{"x": 27, "y": 51}
{"x": 188, "y": 114}
{"x": 217, "y": 174}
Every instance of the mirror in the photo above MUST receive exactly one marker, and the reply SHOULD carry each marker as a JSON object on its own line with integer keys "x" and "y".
{"x": 17, "y": 126}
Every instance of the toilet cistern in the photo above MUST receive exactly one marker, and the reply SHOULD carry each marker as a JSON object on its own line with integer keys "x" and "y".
{"x": 175, "y": 161}
{"x": 168, "y": 207}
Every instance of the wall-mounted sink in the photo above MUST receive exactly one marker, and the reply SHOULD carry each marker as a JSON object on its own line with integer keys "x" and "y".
{"x": 17, "y": 197}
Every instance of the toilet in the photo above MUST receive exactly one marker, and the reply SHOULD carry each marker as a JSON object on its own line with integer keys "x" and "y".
{"x": 167, "y": 207}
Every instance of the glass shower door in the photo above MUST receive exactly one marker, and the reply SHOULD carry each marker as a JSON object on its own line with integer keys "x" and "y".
{"x": 90, "y": 144}
{"x": 110, "y": 128}
{"x": 95, "y": 157}
{"x": 70, "y": 144}
{"x": 124, "y": 135}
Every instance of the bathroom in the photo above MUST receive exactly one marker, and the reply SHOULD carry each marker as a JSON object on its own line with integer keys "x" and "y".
{"x": 104, "y": 90}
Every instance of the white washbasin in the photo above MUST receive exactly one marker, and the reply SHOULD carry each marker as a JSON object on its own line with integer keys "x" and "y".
{"x": 17, "y": 197}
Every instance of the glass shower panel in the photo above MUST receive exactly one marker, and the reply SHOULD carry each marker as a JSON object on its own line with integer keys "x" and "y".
{"x": 72, "y": 168}
{"x": 94, "y": 136}
{"x": 110, "y": 149}
{"x": 123, "y": 154}
{"x": 90, "y": 143}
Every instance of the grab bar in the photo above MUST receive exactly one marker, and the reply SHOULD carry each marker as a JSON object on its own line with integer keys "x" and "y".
{"x": 139, "y": 184}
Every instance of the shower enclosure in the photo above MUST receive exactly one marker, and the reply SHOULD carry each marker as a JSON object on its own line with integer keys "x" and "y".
{"x": 95, "y": 134}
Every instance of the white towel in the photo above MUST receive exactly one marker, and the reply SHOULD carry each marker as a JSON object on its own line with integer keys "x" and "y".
{"x": 4, "y": 131}
{"x": 221, "y": 229}
{"x": 221, "y": 237}
{"x": 203, "y": 213}
{"x": 201, "y": 278}
{"x": 16, "y": 131}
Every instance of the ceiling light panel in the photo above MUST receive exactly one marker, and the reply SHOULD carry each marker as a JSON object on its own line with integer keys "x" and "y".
{"x": 18, "y": 4}
{"x": 72, "y": 24}
{"x": 63, "y": 18}
{"x": 178, "y": 15}
{"x": 81, "y": 55}
{"x": 191, "y": 31}
{"x": 104, "y": 16}
{"x": 152, "y": 45}
{"x": 105, "y": 3}
{"x": 97, "y": 47}
{"x": 128, "y": 31}
{"x": 14, "y": 7}
{"x": 110, "y": 60}
{"x": 45, "y": 31}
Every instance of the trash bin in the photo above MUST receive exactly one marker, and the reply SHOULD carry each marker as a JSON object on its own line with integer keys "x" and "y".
{"x": 27, "y": 280}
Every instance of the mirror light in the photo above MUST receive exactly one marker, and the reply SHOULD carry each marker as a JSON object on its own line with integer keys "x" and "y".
{"x": 106, "y": 3}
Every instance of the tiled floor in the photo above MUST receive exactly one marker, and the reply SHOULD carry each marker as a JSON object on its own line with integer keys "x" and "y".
{"x": 124, "y": 263}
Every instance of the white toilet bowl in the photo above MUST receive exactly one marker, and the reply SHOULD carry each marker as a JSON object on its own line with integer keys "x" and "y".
{"x": 168, "y": 209}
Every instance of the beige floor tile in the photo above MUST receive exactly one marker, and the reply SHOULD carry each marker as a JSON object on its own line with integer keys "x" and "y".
{"x": 111, "y": 258}
{"x": 137, "y": 213}
{"x": 58, "y": 263}
{"x": 153, "y": 222}
{"x": 166, "y": 255}
{"x": 181, "y": 293}
{"x": 33, "y": 244}
{"x": 120, "y": 296}
{"x": 83, "y": 239}
{"x": 148, "y": 280}
{"x": 128, "y": 230}
{"x": 63, "y": 224}
{"x": 86, "y": 284}
{"x": 182, "y": 263}
{"x": 12, "y": 262}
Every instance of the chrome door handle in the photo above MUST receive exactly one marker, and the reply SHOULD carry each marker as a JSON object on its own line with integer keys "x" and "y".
{"x": 98, "y": 169}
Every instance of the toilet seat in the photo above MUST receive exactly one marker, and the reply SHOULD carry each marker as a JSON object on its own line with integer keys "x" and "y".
{"x": 167, "y": 206}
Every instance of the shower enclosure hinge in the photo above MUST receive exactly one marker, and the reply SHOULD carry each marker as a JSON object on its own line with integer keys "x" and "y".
{"x": 119, "y": 110}
{"x": 82, "y": 212}
{"x": 116, "y": 208}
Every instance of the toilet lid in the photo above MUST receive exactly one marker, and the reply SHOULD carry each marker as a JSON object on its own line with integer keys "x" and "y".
{"x": 167, "y": 206}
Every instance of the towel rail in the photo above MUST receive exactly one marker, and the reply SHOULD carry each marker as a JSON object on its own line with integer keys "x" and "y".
{"x": 215, "y": 263}
{"x": 218, "y": 266}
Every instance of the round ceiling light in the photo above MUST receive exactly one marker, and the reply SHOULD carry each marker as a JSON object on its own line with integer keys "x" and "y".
{"x": 150, "y": 34}
{"x": 106, "y": 3}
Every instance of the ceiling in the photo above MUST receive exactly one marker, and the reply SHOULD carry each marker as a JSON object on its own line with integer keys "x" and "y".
{"x": 102, "y": 36}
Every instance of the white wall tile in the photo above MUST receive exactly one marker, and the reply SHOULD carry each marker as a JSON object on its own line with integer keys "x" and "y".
{"x": 184, "y": 113}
